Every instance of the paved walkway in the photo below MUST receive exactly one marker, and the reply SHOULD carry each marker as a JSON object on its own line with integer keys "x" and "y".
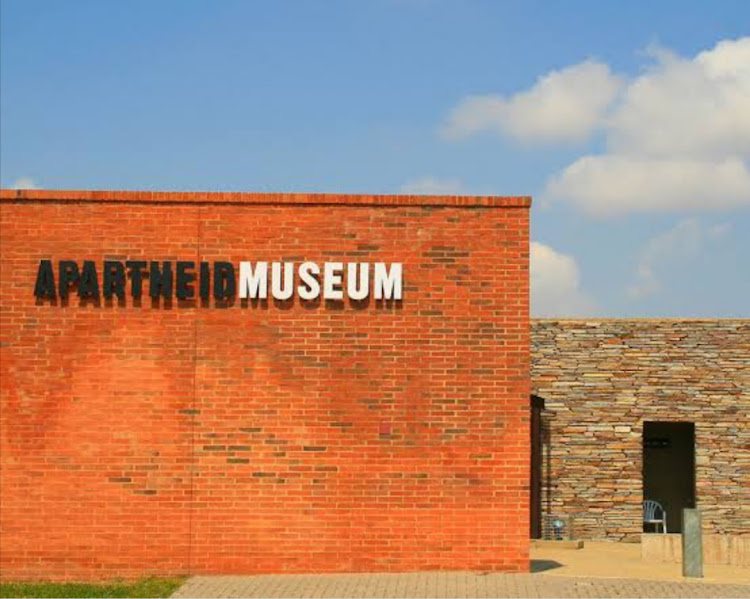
{"x": 617, "y": 560}
{"x": 447, "y": 584}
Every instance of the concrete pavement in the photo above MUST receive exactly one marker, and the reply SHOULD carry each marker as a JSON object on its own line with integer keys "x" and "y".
{"x": 600, "y": 569}
{"x": 446, "y": 584}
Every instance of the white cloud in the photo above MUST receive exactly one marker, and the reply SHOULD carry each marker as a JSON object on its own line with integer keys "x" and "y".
{"x": 677, "y": 135}
{"x": 614, "y": 184}
{"x": 682, "y": 242}
{"x": 24, "y": 183}
{"x": 697, "y": 107}
{"x": 432, "y": 186}
{"x": 555, "y": 284}
{"x": 562, "y": 106}
{"x": 678, "y": 138}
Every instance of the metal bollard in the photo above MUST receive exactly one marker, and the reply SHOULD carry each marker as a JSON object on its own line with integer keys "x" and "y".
{"x": 692, "y": 543}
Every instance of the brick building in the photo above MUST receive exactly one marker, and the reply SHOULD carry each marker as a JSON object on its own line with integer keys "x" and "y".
{"x": 227, "y": 382}
{"x": 166, "y": 411}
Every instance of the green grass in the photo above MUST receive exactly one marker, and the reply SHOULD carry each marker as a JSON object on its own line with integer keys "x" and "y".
{"x": 147, "y": 587}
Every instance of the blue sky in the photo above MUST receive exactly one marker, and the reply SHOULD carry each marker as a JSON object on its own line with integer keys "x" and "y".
{"x": 629, "y": 123}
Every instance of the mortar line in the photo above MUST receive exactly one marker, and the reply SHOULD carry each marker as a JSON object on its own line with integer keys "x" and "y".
{"x": 195, "y": 400}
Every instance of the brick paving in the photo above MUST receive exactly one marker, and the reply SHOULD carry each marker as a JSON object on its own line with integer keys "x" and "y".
{"x": 446, "y": 584}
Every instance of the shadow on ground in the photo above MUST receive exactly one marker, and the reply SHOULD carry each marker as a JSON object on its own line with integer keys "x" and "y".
{"x": 542, "y": 565}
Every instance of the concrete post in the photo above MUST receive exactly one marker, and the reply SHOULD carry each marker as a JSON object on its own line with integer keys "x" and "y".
{"x": 692, "y": 543}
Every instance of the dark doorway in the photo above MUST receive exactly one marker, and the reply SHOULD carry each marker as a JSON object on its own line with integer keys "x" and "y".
{"x": 669, "y": 468}
{"x": 535, "y": 486}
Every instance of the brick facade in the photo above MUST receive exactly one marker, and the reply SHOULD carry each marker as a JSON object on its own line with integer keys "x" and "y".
{"x": 601, "y": 379}
{"x": 176, "y": 437}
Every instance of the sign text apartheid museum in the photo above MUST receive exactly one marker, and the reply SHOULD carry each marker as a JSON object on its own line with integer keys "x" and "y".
{"x": 256, "y": 280}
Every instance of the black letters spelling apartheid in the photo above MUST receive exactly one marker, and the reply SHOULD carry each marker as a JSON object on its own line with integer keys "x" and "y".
{"x": 163, "y": 281}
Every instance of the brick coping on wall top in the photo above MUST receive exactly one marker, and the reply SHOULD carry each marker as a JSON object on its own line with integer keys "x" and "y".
{"x": 218, "y": 197}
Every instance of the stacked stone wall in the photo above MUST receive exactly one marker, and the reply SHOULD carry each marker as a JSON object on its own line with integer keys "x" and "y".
{"x": 602, "y": 379}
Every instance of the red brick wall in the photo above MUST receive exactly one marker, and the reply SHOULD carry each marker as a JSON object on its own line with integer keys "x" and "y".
{"x": 181, "y": 438}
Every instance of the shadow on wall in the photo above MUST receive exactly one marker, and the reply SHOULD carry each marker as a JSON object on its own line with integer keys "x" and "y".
{"x": 548, "y": 521}
{"x": 254, "y": 304}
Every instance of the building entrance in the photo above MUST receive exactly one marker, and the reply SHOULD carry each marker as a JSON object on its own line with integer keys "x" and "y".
{"x": 535, "y": 486}
{"x": 669, "y": 468}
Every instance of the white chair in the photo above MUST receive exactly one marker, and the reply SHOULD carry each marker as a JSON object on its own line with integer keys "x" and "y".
{"x": 654, "y": 514}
